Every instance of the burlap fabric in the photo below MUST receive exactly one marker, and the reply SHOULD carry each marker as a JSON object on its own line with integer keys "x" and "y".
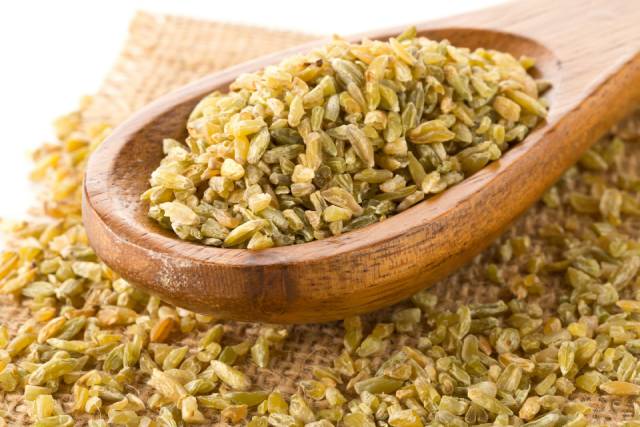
{"x": 165, "y": 52}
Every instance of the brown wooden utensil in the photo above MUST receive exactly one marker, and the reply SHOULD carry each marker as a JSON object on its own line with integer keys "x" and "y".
{"x": 590, "y": 50}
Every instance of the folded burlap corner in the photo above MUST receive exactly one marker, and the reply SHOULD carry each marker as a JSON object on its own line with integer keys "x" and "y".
{"x": 165, "y": 52}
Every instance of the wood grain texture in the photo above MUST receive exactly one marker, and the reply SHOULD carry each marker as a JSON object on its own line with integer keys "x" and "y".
{"x": 589, "y": 50}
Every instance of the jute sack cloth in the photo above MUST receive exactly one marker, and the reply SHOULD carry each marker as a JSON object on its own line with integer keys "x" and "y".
{"x": 166, "y": 52}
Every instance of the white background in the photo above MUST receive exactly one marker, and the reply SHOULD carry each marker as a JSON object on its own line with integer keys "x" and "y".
{"x": 53, "y": 52}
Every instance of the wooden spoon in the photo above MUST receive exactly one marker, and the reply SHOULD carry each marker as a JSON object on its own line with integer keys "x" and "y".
{"x": 590, "y": 52}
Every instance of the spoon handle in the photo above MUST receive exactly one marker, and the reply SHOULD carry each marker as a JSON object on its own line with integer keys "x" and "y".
{"x": 590, "y": 39}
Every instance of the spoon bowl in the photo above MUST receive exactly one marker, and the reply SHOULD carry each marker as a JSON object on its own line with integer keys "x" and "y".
{"x": 386, "y": 262}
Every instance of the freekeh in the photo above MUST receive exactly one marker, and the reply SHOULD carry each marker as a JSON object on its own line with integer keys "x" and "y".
{"x": 339, "y": 138}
